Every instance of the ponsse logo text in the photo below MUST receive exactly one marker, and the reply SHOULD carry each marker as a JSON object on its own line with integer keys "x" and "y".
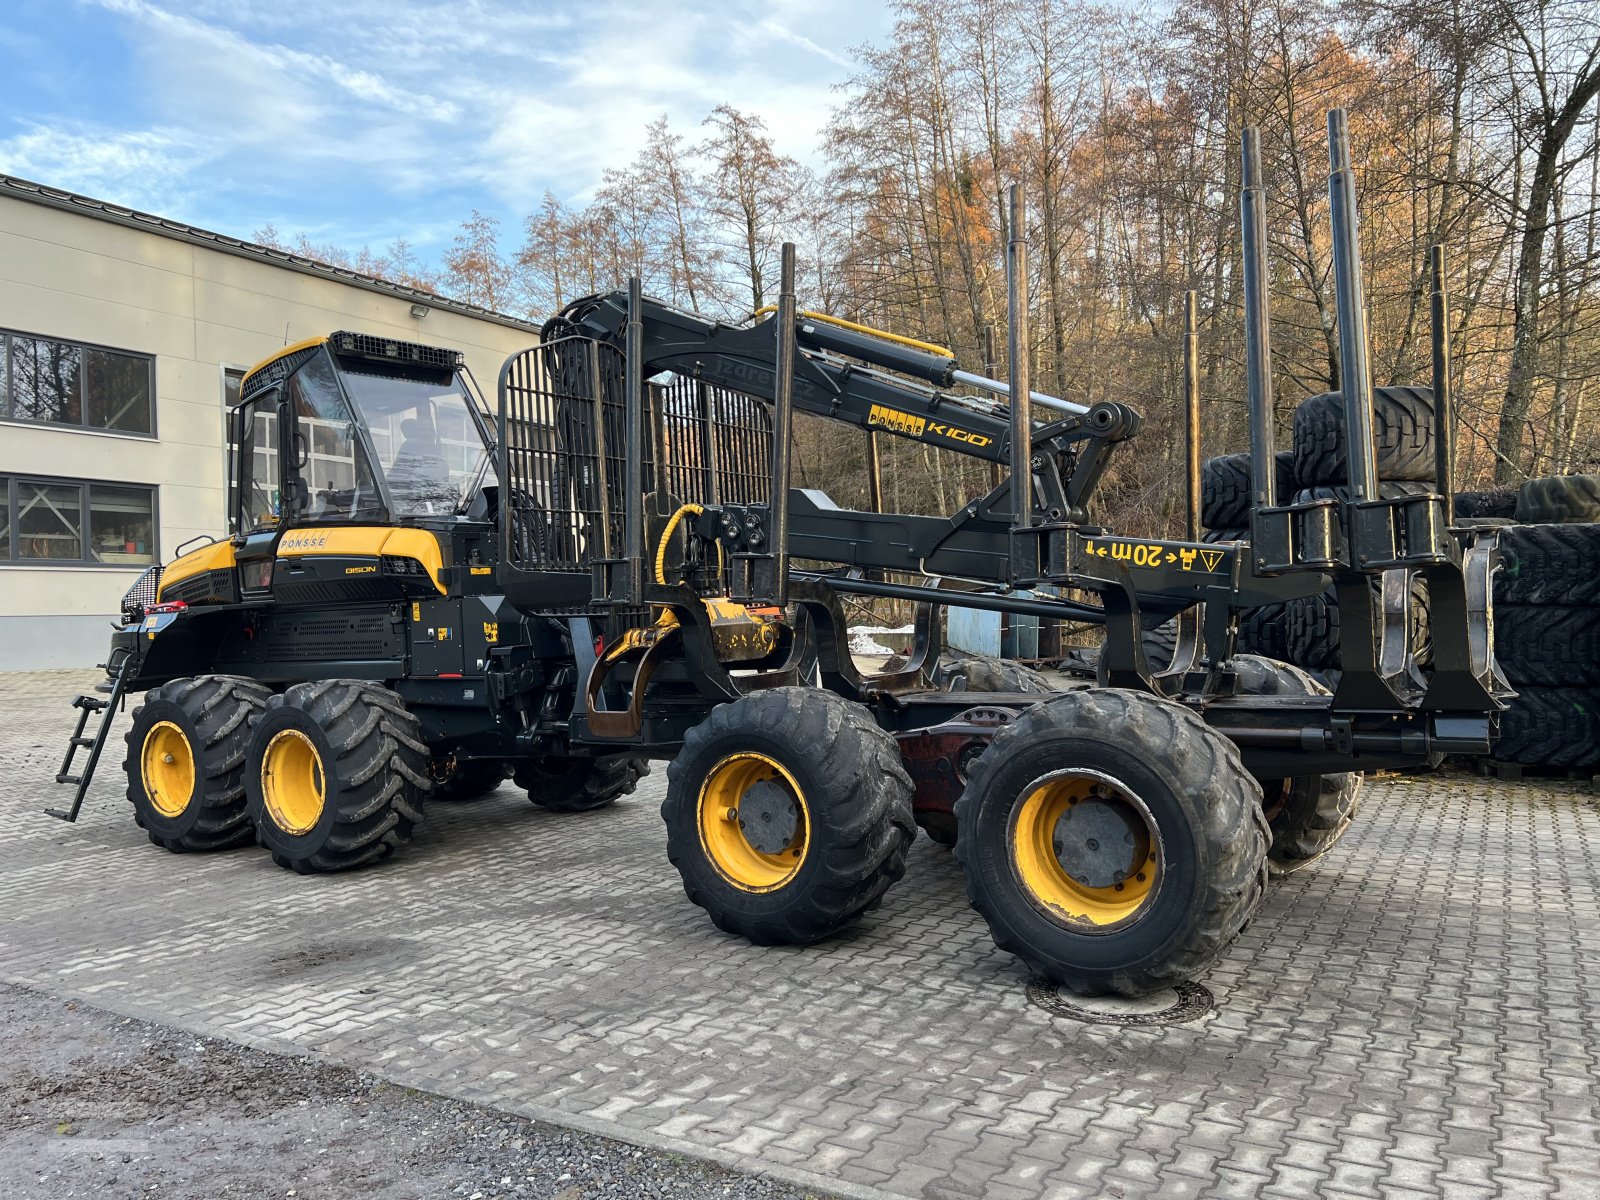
{"x": 920, "y": 427}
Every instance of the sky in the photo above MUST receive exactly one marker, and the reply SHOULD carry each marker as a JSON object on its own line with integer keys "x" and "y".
{"x": 357, "y": 122}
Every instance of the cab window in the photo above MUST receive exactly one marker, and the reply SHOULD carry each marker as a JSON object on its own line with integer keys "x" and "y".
{"x": 328, "y": 450}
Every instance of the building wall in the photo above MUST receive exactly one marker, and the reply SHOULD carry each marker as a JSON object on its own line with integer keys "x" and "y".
{"x": 198, "y": 311}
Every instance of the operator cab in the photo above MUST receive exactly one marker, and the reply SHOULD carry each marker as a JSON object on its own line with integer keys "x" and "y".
{"x": 357, "y": 429}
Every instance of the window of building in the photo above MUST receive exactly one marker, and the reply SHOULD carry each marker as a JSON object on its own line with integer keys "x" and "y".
{"x": 65, "y": 383}
{"x": 76, "y": 522}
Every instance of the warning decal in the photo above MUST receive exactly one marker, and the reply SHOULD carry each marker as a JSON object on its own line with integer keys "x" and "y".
{"x": 1155, "y": 554}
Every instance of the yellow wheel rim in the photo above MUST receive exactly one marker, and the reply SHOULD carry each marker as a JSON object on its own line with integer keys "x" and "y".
{"x": 1086, "y": 850}
{"x": 754, "y": 824}
{"x": 292, "y": 783}
{"x": 166, "y": 762}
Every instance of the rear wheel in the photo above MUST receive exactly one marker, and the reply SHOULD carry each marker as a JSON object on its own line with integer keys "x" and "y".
{"x": 185, "y": 763}
{"x": 579, "y": 784}
{"x": 1309, "y": 813}
{"x": 788, "y": 814}
{"x": 338, "y": 775}
{"x": 1112, "y": 841}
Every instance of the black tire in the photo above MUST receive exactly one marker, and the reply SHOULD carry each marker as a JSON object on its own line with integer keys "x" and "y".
{"x": 1551, "y": 727}
{"x": 467, "y": 779}
{"x": 1160, "y": 643}
{"x": 1309, "y": 813}
{"x": 851, "y": 838}
{"x": 571, "y": 785}
{"x": 1311, "y": 628}
{"x": 939, "y": 826}
{"x": 1548, "y": 645}
{"x": 1402, "y": 429}
{"x": 1471, "y": 506}
{"x": 1549, "y": 564}
{"x": 1559, "y": 499}
{"x": 208, "y": 720}
{"x": 962, "y": 672}
{"x": 367, "y": 751}
{"x": 1225, "y": 488}
{"x": 979, "y": 673}
{"x": 1225, "y": 535}
{"x": 1206, "y": 812}
{"x": 1262, "y": 631}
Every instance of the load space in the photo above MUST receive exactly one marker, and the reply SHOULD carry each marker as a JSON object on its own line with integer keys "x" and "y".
{"x": 418, "y": 604}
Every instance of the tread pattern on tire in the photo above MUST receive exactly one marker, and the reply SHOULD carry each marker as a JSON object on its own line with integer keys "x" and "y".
{"x": 1200, "y": 763}
{"x": 858, "y": 841}
{"x": 1311, "y": 629}
{"x": 1474, "y": 505}
{"x": 1548, "y": 645}
{"x": 1549, "y": 564}
{"x": 960, "y": 671}
{"x": 1263, "y": 631}
{"x": 583, "y": 784}
{"x": 376, "y": 782}
{"x": 222, "y": 708}
{"x": 1402, "y": 424}
{"x": 1559, "y": 499}
{"x": 1551, "y": 727}
{"x": 1313, "y": 811}
{"x": 1225, "y": 488}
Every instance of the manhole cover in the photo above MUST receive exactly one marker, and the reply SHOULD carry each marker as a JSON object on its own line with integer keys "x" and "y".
{"x": 1169, "y": 1006}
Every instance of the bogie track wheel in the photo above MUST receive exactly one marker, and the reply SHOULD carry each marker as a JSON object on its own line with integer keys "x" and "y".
{"x": 186, "y": 759}
{"x": 338, "y": 773}
{"x": 1112, "y": 841}
{"x": 571, "y": 784}
{"x": 465, "y": 778}
{"x": 788, "y": 814}
{"x": 1307, "y": 814}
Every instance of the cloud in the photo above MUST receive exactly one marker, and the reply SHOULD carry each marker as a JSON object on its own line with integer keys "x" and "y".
{"x": 397, "y": 117}
{"x": 144, "y": 169}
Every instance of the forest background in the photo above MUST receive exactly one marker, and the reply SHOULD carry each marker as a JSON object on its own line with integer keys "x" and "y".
{"x": 1474, "y": 123}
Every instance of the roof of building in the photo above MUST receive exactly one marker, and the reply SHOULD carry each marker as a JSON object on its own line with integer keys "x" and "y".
{"x": 38, "y": 193}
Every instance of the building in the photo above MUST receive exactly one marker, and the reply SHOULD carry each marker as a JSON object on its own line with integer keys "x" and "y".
{"x": 121, "y": 335}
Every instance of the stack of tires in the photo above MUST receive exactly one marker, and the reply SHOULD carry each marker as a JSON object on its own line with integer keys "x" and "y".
{"x": 1225, "y": 512}
{"x": 1403, "y": 437}
{"x": 1547, "y": 625}
{"x": 1306, "y": 632}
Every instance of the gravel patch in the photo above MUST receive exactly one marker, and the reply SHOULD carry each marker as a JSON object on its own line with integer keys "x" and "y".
{"x": 93, "y": 1104}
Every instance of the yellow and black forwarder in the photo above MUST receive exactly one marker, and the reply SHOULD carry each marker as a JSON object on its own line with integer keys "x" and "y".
{"x": 414, "y": 604}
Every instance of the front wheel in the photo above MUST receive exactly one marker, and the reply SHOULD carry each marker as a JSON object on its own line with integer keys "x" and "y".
{"x": 338, "y": 772}
{"x": 788, "y": 814}
{"x": 1112, "y": 841}
{"x": 186, "y": 761}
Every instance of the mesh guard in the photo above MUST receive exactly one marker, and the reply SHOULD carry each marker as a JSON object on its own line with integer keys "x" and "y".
{"x": 141, "y": 595}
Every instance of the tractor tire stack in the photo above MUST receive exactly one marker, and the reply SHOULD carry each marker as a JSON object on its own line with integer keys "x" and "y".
{"x": 1403, "y": 433}
{"x": 1225, "y": 512}
{"x": 1547, "y": 632}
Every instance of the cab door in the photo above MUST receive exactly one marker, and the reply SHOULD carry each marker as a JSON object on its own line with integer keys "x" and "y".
{"x": 259, "y": 497}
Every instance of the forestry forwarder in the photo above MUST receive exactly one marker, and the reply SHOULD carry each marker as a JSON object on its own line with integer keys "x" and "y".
{"x": 391, "y": 620}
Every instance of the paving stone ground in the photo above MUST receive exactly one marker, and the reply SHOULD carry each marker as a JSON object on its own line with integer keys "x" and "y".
{"x": 1414, "y": 1016}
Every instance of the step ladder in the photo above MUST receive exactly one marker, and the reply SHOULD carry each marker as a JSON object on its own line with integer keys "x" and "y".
{"x": 87, "y": 706}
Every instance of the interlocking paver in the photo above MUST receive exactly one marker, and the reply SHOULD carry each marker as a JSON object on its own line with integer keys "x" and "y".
{"x": 1411, "y": 1016}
